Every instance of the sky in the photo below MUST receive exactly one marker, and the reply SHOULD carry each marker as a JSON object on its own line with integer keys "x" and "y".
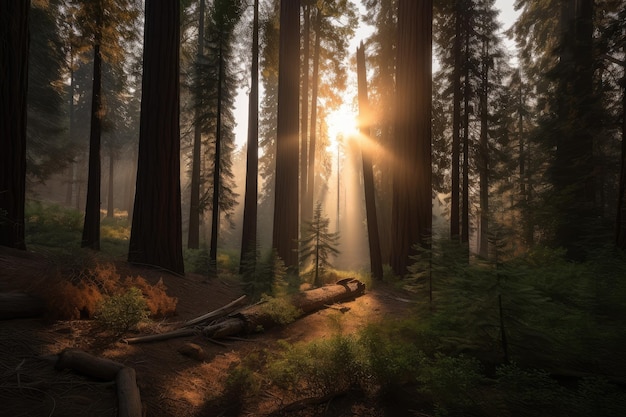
{"x": 507, "y": 17}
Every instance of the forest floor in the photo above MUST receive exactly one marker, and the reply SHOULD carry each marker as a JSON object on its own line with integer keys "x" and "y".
{"x": 171, "y": 384}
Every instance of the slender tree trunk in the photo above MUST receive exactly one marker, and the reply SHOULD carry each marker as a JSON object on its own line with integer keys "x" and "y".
{"x": 456, "y": 126}
{"x": 13, "y": 87}
{"x": 91, "y": 228}
{"x": 215, "y": 213}
{"x": 305, "y": 209}
{"x": 310, "y": 190}
{"x": 376, "y": 263}
{"x": 72, "y": 166}
{"x": 285, "y": 230}
{"x": 412, "y": 197}
{"x": 621, "y": 204}
{"x": 249, "y": 239}
{"x": 466, "y": 94}
{"x": 110, "y": 205}
{"x": 156, "y": 234}
{"x": 193, "y": 236}
{"x": 484, "y": 155}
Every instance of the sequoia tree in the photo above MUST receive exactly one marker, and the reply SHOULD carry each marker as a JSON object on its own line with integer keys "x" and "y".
{"x": 412, "y": 181}
{"x": 156, "y": 234}
{"x": 285, "y": 233}
{"x": 13, "y": 86}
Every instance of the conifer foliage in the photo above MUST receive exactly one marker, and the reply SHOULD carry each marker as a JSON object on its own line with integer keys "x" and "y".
{"x": 318, "y": 244}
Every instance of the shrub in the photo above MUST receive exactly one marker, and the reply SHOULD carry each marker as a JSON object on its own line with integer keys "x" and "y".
{"x": 240, "y": 384}
{"x": 279, "y": 309}
{"x": 122, "y": 312}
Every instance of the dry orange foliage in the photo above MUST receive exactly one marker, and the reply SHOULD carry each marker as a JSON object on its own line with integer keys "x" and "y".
{"x": 77, "y": 296}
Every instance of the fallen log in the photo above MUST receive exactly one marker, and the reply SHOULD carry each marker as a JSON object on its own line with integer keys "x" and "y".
{"x": 256, "y": 317}
{"x": 17, "y": 305}
{"x": 215, "y": 314}
{"x": 86, "y": 364}
{"x": 128, "y": 397}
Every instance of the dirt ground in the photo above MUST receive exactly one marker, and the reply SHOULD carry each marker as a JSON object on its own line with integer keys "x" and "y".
{"x": 171, "y": 384}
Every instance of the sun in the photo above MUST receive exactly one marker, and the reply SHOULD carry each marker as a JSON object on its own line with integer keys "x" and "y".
{"x": 342, "y": 123}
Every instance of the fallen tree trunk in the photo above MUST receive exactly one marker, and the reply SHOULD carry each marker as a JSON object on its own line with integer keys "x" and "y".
{"x": 86, "y": 364}
{"x": 17, "y": 305}
{"x": 259, "y": 317}
{"x": 215, "y": 314}
{"x": 128, "y": 398}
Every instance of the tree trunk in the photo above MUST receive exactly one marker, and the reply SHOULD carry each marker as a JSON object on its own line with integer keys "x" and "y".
{"x": 573, "y": 165}
{"x": 466, "y": 109}
{"x": 257, "y": 317}
{"x": 193, "y": 236}
{"x": 250, "y": 209}
{"x": 412, "y": 188}
{"x": 621, "y": 204}
{"x": 456, "y": 126}
{"x": 89, "y": 365}
{"x": 217, "y": 161}
{"x": 156, "y": 234}
{"x": 91, "y": 228}
{"x": 483, "y": 248}
{"x": 285, "y": 233}
{"x": 13, "y": 87}
{"x": 19, "y": 305}
{"x": 305, "y": 208}
{"x": 312, "y": 153}
{"x": 110, "y": 204}
{"x": 128, "y": 397}
{"x": 376, "y": 263}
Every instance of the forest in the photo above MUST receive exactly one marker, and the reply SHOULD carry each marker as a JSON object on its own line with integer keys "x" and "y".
{"x": 313, "y": 207}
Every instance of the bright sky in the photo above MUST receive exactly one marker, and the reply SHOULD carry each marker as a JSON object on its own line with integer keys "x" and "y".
{"x": 507, "y": 17}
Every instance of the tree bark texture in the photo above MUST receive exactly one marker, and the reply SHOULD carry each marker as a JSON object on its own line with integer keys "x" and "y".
{"x": 376, "y": 262}
{"x": 250, "y": 208}
{"x": 285, "y": 233}
{"x": 412, "y": 188}
{"x": 484, "y": 155}
{"x": 312, "y": 153}
{"x": 128, "y": 397}
{"x": 156, "y": 234}
{"x": 305, "y": 209}
{"x": 456, "y": 126}
{"x": 193, "y": 236}
{"x": 13, "y": 87}
{"x": 621, "y": 204}
{"x": 91, "y": 227}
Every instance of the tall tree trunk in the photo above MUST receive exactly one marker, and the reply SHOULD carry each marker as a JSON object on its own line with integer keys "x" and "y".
{"x": 193, "y": 236}
{"x": 156, "y": 234}
{"x": 13, "y": 87}
{"x": 285, "y": 233}
{"x": 217, "y": 162}
{"x": 376, "y": 263}
{"x": 483, "y": 248}
{"x": 573, "y": 166}
{"x": 466, "y": 109}
{"x": 527, "y": 222}
{"x": 305, "y": 209}
{"x": 621, "y": 204}
{"x": 71, "y": 169}
{"x": 412, "y": 197}
{"x": 248, "y": 238}
{"x": 310, "y": 190}
{"x": 456, "y": 125}
{"x": 110, "y": 204}
{"x": 91, "y": 228}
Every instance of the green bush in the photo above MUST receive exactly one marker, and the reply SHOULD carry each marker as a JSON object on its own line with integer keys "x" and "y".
{"x": 196, "y": 260}
{"x": 122, "y": 312}
{"x": 52, "y": 225}
{"x": 240, "y": 384}
{"x": 281, "y": 310}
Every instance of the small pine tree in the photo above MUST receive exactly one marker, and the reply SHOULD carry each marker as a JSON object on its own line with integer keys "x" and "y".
{"x": 317, "y": 244}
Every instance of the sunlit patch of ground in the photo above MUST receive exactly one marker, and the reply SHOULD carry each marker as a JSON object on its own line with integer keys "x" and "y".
{"x": 171, "y": 384}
